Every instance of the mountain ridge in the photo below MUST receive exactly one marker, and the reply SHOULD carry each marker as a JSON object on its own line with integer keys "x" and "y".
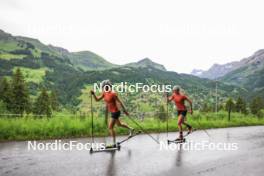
{"x": 146, "y": 62}
{"x": 85, "y": 60}
{"x": 59, "y": 72}
{"x": 216, "y": 71}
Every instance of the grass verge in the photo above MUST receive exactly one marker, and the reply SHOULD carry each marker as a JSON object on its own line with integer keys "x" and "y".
{"x": 29, "y": 128}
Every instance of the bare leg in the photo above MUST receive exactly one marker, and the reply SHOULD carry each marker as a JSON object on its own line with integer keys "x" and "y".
{"x": 180, "y": 121}
{"x": 112, "y": 130}
{"x": 122, "y": 124}
{"x": 187, "y": 125}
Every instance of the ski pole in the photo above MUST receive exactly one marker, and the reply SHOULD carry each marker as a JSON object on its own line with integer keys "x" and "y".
{"x": 142, "y": 129}
{"x": 204, "y": 129}
{"x": 106, "y": 123}
{"x": 92, "y": 118}
{"x": 167, "y": 125}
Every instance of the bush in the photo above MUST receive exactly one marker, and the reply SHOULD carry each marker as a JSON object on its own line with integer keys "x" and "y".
{"x": 3, "y": 108}
{"x": 260, "y": 114}
{"x": 21, "y": 51}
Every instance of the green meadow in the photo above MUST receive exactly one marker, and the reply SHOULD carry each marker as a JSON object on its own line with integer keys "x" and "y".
{"x": 33, "y": 75}
{"x": 63, "y": 125}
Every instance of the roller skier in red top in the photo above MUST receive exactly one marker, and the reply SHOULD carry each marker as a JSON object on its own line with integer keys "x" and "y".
{"x": 112, "y": 101}
{"x": 179, "y": 100}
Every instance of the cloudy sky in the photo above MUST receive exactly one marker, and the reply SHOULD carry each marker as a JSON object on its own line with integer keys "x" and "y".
{"x": 181, "y": 35}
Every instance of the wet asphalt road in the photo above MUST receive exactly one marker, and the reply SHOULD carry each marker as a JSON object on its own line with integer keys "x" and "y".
{"x": 142, "y": 156}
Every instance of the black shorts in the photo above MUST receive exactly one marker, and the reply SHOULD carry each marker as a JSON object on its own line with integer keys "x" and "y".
{"x": 115, "y": 115}
{"x": 183, "y": 113}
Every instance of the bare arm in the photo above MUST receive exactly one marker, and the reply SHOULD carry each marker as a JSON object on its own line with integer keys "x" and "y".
{"x": 122, "y": 105}
{"x": 190, "y": 102}
{"x": 169, "y": 98}
{"x": 97, "y": 98}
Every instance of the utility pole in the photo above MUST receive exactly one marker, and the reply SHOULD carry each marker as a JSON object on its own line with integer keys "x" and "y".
{"x": 195, "y": 97}
{"x": 216, "y": 99}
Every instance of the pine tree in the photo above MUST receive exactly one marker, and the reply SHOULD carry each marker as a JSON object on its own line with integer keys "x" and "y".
{"x": 5, "y": 93}
{"x": 240, "y": 106}
{"x": 229, "y": 107}
{"x": 20, "y": 95}
{"x": 42, "y": 105}
{"x": 256, "y": 105}
{"x": 206, "y": 107}
{"x": 54, "y": 101}
{"x": 230, "y": 104}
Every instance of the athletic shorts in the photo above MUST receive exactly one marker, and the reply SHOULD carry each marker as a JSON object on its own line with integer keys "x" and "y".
{"x": 183, "y": 113}
{"x": 115, "y": 115}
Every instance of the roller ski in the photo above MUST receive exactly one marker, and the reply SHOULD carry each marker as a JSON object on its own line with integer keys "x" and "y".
{"x": 117, "y": 146}
{"x": 177, "y": 141}
{"x": 190, "y": 130}
{"x": 131, "y": 135}
{"x": 107, "y": 148}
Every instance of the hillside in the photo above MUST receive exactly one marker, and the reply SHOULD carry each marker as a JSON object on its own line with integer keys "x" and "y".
{"x": 250, "y": 75}
{"x": 146, "y": 63}
{"x": 247, "y": 73}
{"x": 87, "y": 60}
{"x": 199, "y": 90}
{"x": 69, "y": 73}
{"x": 42, "y": 65}
{"x": 17, "y": 47}
{"x": 217, "y": 71}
